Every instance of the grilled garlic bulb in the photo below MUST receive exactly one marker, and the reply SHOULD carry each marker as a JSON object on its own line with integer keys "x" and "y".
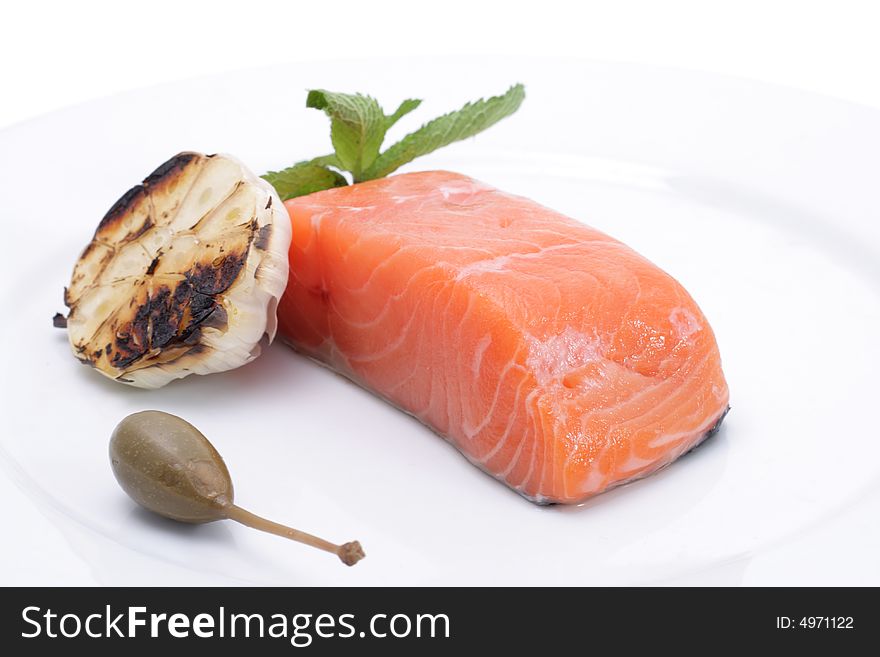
{"x": 183, "y": 274}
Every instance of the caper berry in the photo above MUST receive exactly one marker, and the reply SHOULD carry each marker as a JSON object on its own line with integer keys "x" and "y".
{"x": 168, "y": 466}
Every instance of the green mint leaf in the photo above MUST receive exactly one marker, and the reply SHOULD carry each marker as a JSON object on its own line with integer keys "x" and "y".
{"x": 325, "y": 161}
{"x": 455, "y": 126}
{"x": 357, "y": 130}
{"x": 405, "y": 108}
{"x": 304, "y": 178}
{"x": 357, "y": 127}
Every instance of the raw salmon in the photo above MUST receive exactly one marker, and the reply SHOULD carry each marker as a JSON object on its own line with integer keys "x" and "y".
{"x": 551, "y": 355}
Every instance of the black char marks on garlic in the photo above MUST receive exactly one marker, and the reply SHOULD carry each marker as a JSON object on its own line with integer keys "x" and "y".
{"x": 173, "y": 314}
{"x": 167, "y": 265}
{"x": 263, "y": 235}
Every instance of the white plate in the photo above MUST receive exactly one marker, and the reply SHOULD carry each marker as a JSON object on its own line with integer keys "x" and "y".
{"x": 761, "y": 200}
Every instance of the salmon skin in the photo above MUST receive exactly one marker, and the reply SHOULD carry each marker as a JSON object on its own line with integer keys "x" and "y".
{"x": 554, "y": 357}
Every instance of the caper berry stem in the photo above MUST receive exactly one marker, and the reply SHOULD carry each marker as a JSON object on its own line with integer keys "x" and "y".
{"x": 349, "y": 553}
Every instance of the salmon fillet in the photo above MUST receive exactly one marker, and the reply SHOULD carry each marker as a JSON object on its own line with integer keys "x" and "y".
{"x": 554, "y": 357}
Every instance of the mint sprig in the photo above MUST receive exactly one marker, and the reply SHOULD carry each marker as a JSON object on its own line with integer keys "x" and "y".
{"x": 357, "y": 129}
{"x": 471, "y": 119}
{"x": 304, "y": 178}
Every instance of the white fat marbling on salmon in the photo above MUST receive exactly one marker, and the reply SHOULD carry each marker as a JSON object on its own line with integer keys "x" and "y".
{"x": 461, "y": 192}
{"x": 684, "y": 322}
{"x": 317, "y": 218}
{"x": 554, "y": 357}
{"x": 482, "y": 345}
{"x": 483, "y": 266}
{"x": 505, "y": 262}
{"x": 634, "y": 463}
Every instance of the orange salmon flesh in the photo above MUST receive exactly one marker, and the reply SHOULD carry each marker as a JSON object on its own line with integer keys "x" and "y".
{"x": 554, "y": 357}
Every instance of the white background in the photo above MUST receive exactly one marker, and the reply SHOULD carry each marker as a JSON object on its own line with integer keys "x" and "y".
{"x": 54, "y": 54}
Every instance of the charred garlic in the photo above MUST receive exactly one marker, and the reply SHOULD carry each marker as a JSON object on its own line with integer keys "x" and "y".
{"x": 183, "y": 274}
